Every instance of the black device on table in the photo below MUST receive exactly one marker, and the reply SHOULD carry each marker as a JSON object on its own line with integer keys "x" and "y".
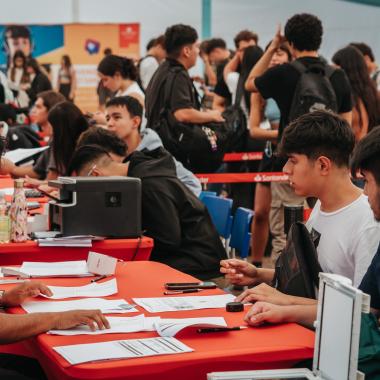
{"x": 190, "y": 285}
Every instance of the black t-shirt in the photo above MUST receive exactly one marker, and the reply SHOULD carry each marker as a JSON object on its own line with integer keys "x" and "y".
{"x": 182, "y": 96}
{"x": 221, "y": 88}
{"x": 371, "y": 281}
{"x": 280, "y": 82}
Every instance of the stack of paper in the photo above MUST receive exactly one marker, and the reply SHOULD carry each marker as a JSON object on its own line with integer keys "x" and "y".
{"x": 161, "y": 304}
{"x": 170, "y": 327}
{"x": 95, "y": 289}
{"x": 105, "y": 306}
{"x": 56, "y": 269}
{"x": 117, "y": 325}
{"x": 18, "y": 155}
{"x": 67, "y": 241}
{"x": 121, "y": 349}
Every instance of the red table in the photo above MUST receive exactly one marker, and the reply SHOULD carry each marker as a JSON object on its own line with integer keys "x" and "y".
{"x": 123, "y": 249}
{"x": 253, "y": 348}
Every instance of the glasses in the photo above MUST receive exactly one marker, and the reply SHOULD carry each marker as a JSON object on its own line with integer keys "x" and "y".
{"x": 91, "y": 170}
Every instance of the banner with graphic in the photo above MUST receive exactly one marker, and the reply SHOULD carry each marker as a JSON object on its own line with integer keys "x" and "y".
{"x": 84, "y": 43}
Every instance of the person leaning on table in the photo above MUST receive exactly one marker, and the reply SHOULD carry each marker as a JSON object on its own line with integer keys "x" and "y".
{"x": 16, "y": 327}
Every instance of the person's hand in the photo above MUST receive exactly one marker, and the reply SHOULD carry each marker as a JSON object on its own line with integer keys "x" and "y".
{"x": 20, "y": 293}
{"x": 216, "y": 116}
{"x": 204, "y": 57}
{"x": 69, "y": 319}
{"x": 33, "y": 182}
{"x": 6, "y": 166}
{"x": 262, "y": 312}
{"x": 239, "y": 272}
{"x": 100, "y": 118}
{"x": 278, "y": 39}
{"x": 266, "y": 293}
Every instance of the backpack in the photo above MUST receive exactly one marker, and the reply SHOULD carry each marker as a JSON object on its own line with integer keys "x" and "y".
{"x": 22, "y": 137}
{"x": 200, "y": 148}
{"x": 297, "y": 268}
{"x": 314, "y": 90}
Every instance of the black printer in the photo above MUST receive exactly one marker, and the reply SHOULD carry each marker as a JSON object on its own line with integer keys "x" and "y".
{"x": 102, "y": 206}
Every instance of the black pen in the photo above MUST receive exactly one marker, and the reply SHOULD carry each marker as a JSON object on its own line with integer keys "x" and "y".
{"x": 172, "y": 292}
{"x": 98, "y": 278}
{"x": 220, "y": 329}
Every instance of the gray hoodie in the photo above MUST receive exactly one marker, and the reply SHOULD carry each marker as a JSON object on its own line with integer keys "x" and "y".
{"x": 150, "y": 141}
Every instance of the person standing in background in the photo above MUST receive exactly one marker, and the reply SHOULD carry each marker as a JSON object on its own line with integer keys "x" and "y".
{"x": 67, "y": 80}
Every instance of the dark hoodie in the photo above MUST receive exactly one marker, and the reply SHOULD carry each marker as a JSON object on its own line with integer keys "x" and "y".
{"x": 184, "y": 235}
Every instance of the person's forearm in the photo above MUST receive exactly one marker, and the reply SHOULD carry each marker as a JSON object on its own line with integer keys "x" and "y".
{"x": 191, "y": 115}
{"x": 218, "y": 103}
{"x": 231, "y": 67}
{"x": 22, "y": 171}
{"x": 14, "y": 328}
{"x": 211, "y": 76}
{"x": 302, "y": 301}
{"x": 262, "y": 134}
{"x": 265, "y": 275}
{"x": 259, "y": 69}
{"x": 302, "y": 314}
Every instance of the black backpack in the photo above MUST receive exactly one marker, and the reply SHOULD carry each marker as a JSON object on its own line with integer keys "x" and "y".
{"x": 297, "y": 268}
{"x": 200, "y": 148}
{"x": 314, "y": 90}
{"x": 22, "y": 137}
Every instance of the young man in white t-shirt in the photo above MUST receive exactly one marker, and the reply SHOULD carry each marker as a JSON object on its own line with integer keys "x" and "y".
{"x": 318, "y": 146}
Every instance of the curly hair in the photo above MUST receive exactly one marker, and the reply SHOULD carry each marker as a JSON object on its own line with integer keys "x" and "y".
{"x": 111, "y": 64}
{"x": 304, "y": 31}
{"x": 215, "y": 43}
{"x": 245, "y": 35}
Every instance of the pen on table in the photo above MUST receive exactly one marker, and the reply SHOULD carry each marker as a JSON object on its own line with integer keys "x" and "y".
{"x": 220, "y": 329}
{"x": 98, "y": 278}
{"x": 170, "y": 292}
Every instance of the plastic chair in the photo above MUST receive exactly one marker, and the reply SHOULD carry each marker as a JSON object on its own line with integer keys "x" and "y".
{"x": 241, "y": 232}
{"x": 220, "y": 212}
{"x": 207, "y": 193}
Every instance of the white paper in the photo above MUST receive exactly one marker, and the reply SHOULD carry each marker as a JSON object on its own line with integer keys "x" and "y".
{"x": 117, "y": 325}
{"x": 169, "y": 327}
{"x": 121, "y": 349}
{"x": 94, "y": 289}
{"x": 55, "y": 269}
{"x": 64, "y": 242}
{"x": 161, "y": 304}
{"x": 106, "y": 306}
{"x": 20, "y": 154}
{"x": 101, "y": 264}
{"x": 8, "y": 190}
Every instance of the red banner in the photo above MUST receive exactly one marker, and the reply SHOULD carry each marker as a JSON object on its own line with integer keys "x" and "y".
{"x": 242, "y": 177}
{"x": 245, "y": 156}
{"x": 129, "y": 34}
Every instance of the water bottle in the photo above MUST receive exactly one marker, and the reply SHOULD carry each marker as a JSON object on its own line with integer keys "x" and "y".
{"x": 4, "y": 220}
{"x": 19, "y": 213}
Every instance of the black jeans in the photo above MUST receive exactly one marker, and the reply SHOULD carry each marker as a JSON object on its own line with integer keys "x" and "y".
{"x": 16, "y": 367}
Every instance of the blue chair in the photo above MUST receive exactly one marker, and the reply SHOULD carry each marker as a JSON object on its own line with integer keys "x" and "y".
{"x": 241, "y": 232}
{"x": 220, "y": 212}
{"x": 205, "y": 193}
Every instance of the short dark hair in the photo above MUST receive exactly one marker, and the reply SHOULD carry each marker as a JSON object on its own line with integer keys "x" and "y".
{"x": 364, "y": 49}
{"x": 7, "y": 112}
{"x": 111, "y": 64}
{"x": 50, "y": 98}
{"x": 304, "y": 31}
{"x": 320, "y": 133}
{"x": 84, "y": 155}
{"x": 105, "y": 138}
{"x": 160, "y": 40}
{"x": 215, "y": 43}
{"x": 132, "y": 105}
{"x": 107, "y": 51}
{"x": 366, "y": 155}
{"x": 245, "y": 35}
{"x": 17, "y": 31}
{"x": 178, "y": 36}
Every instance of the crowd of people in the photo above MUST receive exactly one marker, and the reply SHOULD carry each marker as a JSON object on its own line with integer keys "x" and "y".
{"x": 317, "y": 122}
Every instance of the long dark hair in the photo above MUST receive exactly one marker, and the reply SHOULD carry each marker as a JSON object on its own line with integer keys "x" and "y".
{"x": 66, "y": 61}
{"x": 68, "y": 123}
{"x": 351, "y": 60}
{"x": 25, "y": 75}
{"x": 111, "y": 64}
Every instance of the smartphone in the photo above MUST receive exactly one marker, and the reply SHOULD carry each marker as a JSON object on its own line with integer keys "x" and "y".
{"x": 190, "y": 285}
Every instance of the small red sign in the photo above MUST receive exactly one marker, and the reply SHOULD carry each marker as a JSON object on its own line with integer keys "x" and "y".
{"x": 129, "y": 34}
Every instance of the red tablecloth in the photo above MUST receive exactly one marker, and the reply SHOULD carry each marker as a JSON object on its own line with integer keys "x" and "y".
{"x": 123, "y": 249}
{"x": 253, "y": 348}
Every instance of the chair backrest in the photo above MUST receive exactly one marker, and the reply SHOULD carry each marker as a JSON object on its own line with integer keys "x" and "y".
{"x": 220, "y": 212}
{"x": 240, "y": 233}
{"x": 205, "y": 193}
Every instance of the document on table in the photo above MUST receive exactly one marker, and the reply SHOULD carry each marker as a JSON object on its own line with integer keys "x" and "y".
{"x": 169, "y": 327}
{"x": 118, "y": 325}
{"x": 161, "y": 304}
{"x": 55, "y": 269}
{"x": 95, "y": 289}
{"x": 121, "y": 349}
{"x": 21, "y": 154}
{"x": 106, "y": 306}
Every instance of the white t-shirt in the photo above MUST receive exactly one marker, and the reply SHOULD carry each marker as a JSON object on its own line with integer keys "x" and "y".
{"x": 232, "y": 84}
{"x": 148, "y": 67}
{"x": 348, "y": 238}
{"x": 133, "y": 88}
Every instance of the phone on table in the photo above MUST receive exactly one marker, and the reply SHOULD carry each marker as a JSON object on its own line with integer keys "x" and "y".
{"x": 190, "y": 285}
